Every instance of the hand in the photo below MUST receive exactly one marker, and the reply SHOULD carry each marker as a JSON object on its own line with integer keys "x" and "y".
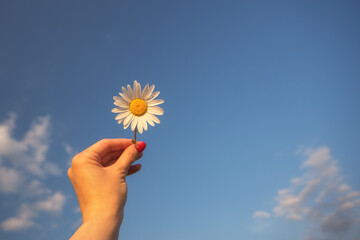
{"x": 98, "y": 176}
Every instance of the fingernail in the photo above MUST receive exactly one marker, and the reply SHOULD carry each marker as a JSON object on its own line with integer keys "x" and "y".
{"x": 140, "y": 146}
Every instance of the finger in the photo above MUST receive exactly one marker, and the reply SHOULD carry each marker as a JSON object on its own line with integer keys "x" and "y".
{"x": 134, "y": 169}
{"x": 111, "y": 158}
{"x": 104, "y": 146}
{"x": 138, "y": 156}
{"x": 130, "y": 155}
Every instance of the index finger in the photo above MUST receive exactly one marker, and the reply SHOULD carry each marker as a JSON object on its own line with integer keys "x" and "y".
{"x": 104, "y": 146}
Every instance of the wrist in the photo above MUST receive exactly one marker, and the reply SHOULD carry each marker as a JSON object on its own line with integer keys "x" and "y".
{"x": 100, "y": 214}
{"x": 102, "y": 226}
{"x": 107, "y": 221}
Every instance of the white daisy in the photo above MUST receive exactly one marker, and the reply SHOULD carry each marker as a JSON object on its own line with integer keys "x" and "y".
{"x": 138, "y": 108}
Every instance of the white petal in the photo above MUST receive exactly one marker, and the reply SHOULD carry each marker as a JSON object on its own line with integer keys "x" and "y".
{"x": 119, "y": 99}
{"x": 150, "y": 91}
{"x": 155, "y": 102}
{"x": 135, "y": 89}
{"x": 115, "y": 110}
{"x": 153, "y": 118}
{"x": 152, "y": 96}
{"x": 120, "y": 121}
{"x": 156, "y": 110}
{"x": 150, "y": 122}
{"x": 138, "y": 90}
{"x": 125, "y": 97}
{"x": 122, "y": 115}
{"x": 116, "y": 98}
{"x": 140, "y": 126}
{"x": 130, "y": 92}
{"x": 134, "y": 123}
{"x": 119, "y": 110}
{"x": 145, "y": 91}
{"x": 144, "y": 123}
{"x": 126, "y": 92}
{"x": 128, "y": 120}
{"x": 148, "y": 119}
{"x": 122, "y": 104}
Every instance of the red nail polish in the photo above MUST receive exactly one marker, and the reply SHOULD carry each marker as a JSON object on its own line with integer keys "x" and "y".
{"x": 140, "y": 146}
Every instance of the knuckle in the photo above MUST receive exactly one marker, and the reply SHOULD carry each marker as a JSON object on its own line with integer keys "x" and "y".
{"x": 78, "y": 155}
{"x": 103, "y": 143}
{"x": 69, "y": 173}
{"x": 76, "y": 160}
{"x": 88, "y": 155}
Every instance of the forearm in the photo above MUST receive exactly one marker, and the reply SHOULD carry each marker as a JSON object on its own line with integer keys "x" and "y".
{"x": 104, "y": 228}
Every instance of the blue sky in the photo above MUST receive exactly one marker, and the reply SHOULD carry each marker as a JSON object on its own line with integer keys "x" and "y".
{"x": 260, "y": 136}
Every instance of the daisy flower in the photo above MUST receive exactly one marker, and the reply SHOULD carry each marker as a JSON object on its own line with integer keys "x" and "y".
{"x": 137, "y": 107}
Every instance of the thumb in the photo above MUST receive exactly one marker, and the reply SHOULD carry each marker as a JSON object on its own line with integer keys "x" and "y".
{"x": 130, "y": 155}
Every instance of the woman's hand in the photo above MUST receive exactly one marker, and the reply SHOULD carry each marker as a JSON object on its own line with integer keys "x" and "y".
{"x": 98, "y": 176}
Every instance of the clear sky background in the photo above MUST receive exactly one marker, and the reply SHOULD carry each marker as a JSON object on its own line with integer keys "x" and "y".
{"x": 260, "y": 136}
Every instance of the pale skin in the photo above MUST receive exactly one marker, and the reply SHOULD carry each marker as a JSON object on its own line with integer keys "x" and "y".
{"x": 98, "y": 175}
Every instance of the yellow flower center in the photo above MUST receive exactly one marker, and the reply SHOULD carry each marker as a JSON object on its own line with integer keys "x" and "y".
{"x": 138, "y": 107}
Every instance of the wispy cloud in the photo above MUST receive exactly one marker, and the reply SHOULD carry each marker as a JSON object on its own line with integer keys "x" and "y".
{"x": 320, "y": 197}
{"x": 22, "y": 221}
{"x": 23, "y": 168}
{"x": 70, "y": 152}
{"x": 10, "y": 180}
{"x": 53, "y": 203}
{"x": 261, "y": 215}
{"x": 28, "y": 212}
{"x": 28, "y": 153}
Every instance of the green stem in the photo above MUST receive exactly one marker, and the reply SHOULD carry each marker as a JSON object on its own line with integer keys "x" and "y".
{"x": 134, "y": 140}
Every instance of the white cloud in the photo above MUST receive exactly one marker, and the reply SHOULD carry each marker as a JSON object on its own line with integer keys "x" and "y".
{"x": 317, "y": 158}
{"x": 23, "y": 168}
{"x": 9, "y": 146}
{"x": 71, "y": 153}
{"x": 22, "y": 221}
{"x": 27, "y": 212}
{"x": 321, "y": 197}
{"x": 261, "y": 215}
{"x": 36, "y": 188}
{"x": 52, "y": 204}
{"x": 344, "y": 188}
{"x": 77, "y": 209}
{"x": 10, "y": 180}
{"x": 30, "y": 152}
{"x": 52, "y": 169}
{"x": 17, "y": 223}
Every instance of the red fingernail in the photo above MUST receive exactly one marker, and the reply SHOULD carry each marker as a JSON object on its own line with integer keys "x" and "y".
{"x": 140, "y": 146}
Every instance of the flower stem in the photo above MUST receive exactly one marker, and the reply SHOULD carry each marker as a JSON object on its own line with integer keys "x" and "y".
{"x": 134, "y": 140}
